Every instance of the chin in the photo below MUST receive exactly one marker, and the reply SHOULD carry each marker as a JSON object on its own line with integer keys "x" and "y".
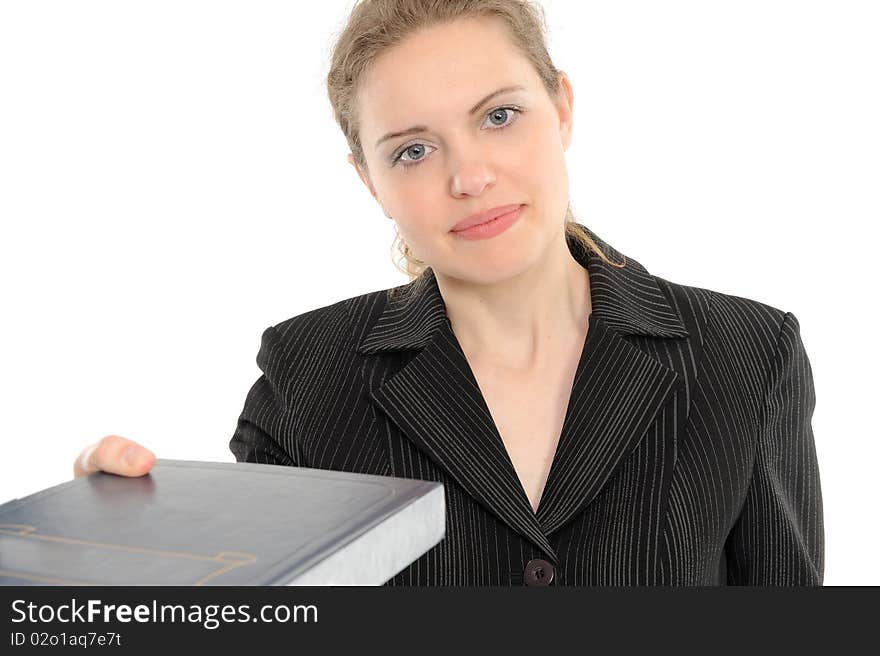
{"x": 494, "y": 260}
{"x": 490, "y": 274}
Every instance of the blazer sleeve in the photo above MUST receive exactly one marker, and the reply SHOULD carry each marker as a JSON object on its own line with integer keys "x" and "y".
{"x": 265, "y": 429}
{"x": 778, "y": 538}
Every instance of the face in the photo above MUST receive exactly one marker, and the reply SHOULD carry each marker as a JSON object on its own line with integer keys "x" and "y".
{"x": 509, "y": 151}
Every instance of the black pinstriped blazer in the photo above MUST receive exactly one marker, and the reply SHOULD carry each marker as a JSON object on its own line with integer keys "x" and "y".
{"x": 686, "y": 456}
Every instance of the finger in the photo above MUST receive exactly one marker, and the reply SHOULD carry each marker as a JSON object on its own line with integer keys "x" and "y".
{"x": 117, "y": 455}
{"x": 84, "y": 464}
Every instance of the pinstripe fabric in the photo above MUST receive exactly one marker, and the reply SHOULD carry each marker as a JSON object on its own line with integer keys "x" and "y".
{"x": 686, "y": 455}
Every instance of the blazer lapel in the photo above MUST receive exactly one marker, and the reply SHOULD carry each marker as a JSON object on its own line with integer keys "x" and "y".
{"x": 618, "y": 390}
{"x": 436, "y": 402}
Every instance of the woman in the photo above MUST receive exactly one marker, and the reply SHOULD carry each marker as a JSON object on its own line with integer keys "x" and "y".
{"x": 592, "y": 423}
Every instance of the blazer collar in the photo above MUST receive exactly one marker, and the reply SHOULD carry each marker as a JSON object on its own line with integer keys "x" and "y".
{"x": 618, "y": 391}
{"x": 627, "y": 299}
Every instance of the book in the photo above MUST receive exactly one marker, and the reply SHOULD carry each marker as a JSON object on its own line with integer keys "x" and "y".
{"x": 209, "y": 523}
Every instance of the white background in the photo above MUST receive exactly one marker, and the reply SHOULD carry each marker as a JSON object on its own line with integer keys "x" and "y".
{"x": 172, "y": 182}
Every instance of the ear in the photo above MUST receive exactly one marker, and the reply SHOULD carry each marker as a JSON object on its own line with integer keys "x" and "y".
{"x": 565, "y": 107}
{"x": 365, "y": 178}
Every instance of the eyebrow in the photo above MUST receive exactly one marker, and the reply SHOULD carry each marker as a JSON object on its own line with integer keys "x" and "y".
{"x": 473, "y": 110}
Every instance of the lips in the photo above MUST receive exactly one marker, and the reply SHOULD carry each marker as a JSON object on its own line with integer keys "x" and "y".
{"x": 483, "y": 217}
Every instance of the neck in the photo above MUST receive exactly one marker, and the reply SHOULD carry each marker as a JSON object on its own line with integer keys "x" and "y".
{"x": 515, "y": 324}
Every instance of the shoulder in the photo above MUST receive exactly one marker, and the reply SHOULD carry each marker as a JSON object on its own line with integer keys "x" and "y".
{"x": 331, "y": 329}
{"x": 730, "y": 323}
{"x": 303, "y": 354}
{"x": 347, "y": 316}
{"x": 720, "y": 305}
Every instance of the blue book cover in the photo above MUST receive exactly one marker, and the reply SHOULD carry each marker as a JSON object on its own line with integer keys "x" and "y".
{"x": 210, "y": 523}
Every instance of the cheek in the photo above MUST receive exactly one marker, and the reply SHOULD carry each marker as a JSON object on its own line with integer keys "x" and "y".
{"x": 542, "y": 154}
{"x": 544, "y": 170}
{"x": 418, "y": 223}
{"x": 415, "y": 216}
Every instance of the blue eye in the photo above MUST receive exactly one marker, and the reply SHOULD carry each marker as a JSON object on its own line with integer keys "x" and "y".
{"x": 403, "y": 151}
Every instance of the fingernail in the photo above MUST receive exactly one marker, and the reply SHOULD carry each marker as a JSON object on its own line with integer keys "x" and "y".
{"x": 129, "y": 456}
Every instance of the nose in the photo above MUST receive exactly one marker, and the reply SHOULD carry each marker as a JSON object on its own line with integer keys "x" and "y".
{"x": 471, "y": 179}
{"x": 470, "y": 167}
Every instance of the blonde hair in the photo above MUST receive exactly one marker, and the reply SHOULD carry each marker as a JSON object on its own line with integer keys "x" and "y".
{"x": 376, "y": 25}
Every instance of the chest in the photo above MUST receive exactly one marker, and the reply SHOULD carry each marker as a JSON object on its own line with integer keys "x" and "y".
{"x": 529, "y": 410}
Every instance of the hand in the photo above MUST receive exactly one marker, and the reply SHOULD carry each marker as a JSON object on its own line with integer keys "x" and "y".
{"x": 114, "y": 454}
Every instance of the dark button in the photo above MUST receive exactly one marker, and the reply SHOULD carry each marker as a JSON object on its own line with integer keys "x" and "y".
{"x": 538, "y": 572}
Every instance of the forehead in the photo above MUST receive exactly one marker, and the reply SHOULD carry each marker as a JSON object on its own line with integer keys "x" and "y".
{"x": 438, "y": 70}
